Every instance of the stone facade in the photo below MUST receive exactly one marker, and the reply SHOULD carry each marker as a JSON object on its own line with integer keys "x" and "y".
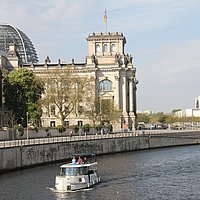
{"x": 106, "y": 55}
{"x": 113, "y": 72}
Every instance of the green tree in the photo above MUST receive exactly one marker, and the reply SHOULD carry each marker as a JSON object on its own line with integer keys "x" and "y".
{"x": 22, "y": 90}
{"x": 109, "y": 111}
{"x": 86, "y": 128}
{"x": 92, "y": 104}
{"x": 65, "y": 91}
{"x": 158, "y": 117}
{"x": 143, "y": 118}
{"x": 170, "y": 119}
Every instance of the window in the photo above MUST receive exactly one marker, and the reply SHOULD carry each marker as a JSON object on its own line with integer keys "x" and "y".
{"x": 67, "y": 124}
{"x": 80, "y": 123}
{"x": 74, "y": 171}
{"x": 52, "y": 124}
{"x": 105, "y": 48}
{"x": 105, "y": 85}
{"x": 97, "y": 48}
{"x": 197, "y": 104}
{"x": 113, "y": 48}
{"x": 53, "y": 110}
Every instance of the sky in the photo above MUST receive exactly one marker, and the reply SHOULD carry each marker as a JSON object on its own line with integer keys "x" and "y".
{"x": 163, "y": 36}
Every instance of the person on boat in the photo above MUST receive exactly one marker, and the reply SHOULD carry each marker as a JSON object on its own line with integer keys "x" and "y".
{"x": 80, "y": 161}
{"x": 73, "y": 160}
{"x": 85, "y": 160}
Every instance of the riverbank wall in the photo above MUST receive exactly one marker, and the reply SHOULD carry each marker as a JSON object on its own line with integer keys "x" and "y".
{"x": 20, "y": 157}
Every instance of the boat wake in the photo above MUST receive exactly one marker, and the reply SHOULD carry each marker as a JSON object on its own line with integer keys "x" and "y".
{"x": 52, "y": 189}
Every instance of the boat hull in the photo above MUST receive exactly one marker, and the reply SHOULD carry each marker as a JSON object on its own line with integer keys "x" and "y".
{"x": 72, "y": 183}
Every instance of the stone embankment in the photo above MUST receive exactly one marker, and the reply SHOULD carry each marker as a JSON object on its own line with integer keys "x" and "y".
{"x": 23, "y": 154}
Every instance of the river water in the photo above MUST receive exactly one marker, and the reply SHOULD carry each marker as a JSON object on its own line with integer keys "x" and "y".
{"x": 167, "y": 173}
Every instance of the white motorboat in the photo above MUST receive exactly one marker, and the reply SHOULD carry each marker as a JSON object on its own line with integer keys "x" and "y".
{"x": 79, "y": 174}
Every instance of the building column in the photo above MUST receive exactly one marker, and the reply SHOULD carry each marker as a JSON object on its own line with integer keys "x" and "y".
{"x": 132, "y": 103}
{"x": 117, "y": 91}
{"x": 124, "y": 96}
{"x": 131, "y": 98}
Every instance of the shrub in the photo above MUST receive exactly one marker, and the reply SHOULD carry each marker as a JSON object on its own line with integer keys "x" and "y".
{"x": 110, "y": 127}
{"x": 86, "y": 128}
{"x": 61, "y": 128}
{"x": 76, "y": 128}
{"x": 98, "y": 127}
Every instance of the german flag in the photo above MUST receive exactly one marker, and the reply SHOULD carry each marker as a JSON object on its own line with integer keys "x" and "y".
{"x": 105, "y": 17}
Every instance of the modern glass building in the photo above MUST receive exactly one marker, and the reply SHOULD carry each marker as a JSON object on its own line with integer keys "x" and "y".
{"x": 25, "y": 49}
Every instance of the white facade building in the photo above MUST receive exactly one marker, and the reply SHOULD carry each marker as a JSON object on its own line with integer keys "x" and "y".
{"x": 113, "y": 72}
{"x": 197, "y": 102}
{"x": 191, "y": 112}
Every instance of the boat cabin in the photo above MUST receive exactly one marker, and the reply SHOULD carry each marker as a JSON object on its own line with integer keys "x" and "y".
{"x": 82, "y": 164}
{"x": 77, "y": 170}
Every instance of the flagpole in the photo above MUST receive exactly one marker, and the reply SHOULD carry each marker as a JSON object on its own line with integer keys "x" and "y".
{"x": 105, "y": 19}
{"x": 106, "y": 26}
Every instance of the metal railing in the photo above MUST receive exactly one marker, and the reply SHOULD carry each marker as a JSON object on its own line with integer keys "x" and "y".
{"x": 38, "y": 141}
{"x": 49, "y": 140}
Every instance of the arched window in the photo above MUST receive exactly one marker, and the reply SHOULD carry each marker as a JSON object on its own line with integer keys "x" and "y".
{"x": 113, "y": 49}
{"x": 105, "y": 85}
{"x": 105, "y": 48}
{"x": 97, "y": 48}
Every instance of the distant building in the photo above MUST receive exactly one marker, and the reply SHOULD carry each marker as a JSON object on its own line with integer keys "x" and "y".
{"x": 191, "y": 112}
{"x": 148, "y": 112}
{"x": 197, "y": 102}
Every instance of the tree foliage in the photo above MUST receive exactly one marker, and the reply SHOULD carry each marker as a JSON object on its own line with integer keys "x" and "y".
{"x": 22, "y": 90}
{"x": 165, "y": 118}
{"x": 66, "y": 91}
{"x": 143, "y": 117}
{"x": 158, "y": 117}
{"x": 109, "y": 111}
{"x": 92, "y": 104}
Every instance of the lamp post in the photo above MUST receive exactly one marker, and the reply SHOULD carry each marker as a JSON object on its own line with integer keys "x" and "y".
{"x": 122, "y": 123}
{"x": 27, "y": 125}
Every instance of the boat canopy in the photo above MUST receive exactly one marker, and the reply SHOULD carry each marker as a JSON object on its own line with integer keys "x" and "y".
{"x": 72, "y": 165}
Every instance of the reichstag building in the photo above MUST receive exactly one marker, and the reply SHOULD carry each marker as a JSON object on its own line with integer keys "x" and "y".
{"x": 113, "y": 71}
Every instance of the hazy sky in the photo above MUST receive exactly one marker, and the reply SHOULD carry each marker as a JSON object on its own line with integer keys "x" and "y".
{"x": 163, "y": 36}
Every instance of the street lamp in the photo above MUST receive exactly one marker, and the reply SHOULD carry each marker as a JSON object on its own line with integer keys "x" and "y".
{"x": 27, "y": 125}
{"x": 122, "y": 123}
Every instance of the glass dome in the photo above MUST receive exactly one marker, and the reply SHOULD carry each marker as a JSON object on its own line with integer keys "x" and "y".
{"x": 10, "y": 34}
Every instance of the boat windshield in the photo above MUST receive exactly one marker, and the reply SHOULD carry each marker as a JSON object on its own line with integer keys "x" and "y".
{"x": 74, "y": 171}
